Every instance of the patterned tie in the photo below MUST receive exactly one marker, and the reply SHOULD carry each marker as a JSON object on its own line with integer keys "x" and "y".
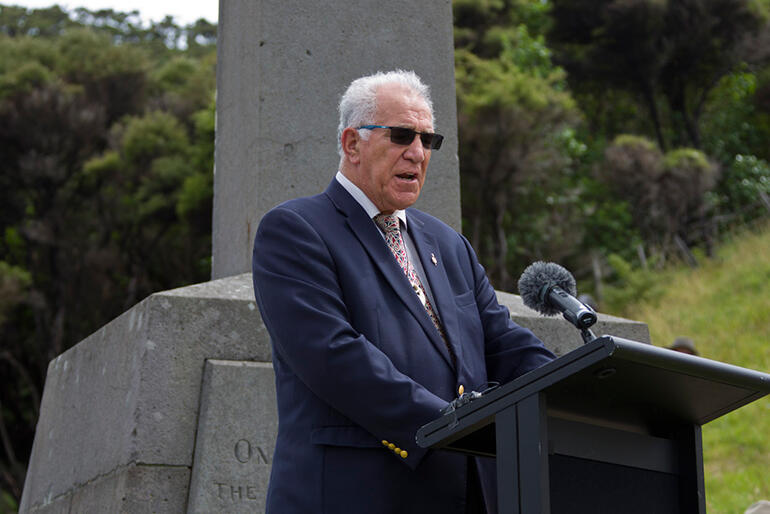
{"x": 389, "y": 224}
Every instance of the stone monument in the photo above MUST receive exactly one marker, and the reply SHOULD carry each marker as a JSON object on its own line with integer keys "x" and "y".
{"x": 282, "y": 67}
{"x": 171, "y": 406}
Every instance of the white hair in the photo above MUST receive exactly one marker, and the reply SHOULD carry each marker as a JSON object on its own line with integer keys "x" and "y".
{"x": 359, "y": 102}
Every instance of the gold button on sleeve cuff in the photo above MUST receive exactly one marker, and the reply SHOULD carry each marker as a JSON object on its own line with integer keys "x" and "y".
{"x": 391, "y": 446}
{"x": 384, "y": 442}
{"x": 403, "y": 454}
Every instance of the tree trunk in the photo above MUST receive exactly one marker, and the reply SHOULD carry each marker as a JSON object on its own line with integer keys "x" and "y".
{"x": 649, "y": 98}
{"x": 501, "y": 246}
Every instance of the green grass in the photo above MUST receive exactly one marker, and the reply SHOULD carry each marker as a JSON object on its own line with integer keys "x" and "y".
{"x": 724, "y": 306}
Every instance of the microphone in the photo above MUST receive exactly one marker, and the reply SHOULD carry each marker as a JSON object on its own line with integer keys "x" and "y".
{"x": 550, "y": 289}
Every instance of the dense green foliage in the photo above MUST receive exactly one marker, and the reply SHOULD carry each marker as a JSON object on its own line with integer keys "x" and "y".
{"x": 595, "y": 128}
{"x": 723, "y": 307}
{"x": 106, "y": 144}
{"x": 612, "y": 136}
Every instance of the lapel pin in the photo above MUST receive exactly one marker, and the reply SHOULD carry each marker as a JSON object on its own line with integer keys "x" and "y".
{"x": 433, "y": 259}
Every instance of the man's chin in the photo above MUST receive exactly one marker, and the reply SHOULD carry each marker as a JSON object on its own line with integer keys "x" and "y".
{"x": 404, "y": 201}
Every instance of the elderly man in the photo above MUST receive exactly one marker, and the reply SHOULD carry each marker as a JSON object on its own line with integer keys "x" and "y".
{"x": 378, "y": 314}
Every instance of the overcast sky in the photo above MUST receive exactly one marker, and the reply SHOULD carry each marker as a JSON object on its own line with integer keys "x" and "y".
{"x": 183, "y": 11}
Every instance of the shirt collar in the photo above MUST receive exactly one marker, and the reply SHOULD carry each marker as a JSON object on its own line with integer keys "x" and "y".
{"x": 363, "y": 200}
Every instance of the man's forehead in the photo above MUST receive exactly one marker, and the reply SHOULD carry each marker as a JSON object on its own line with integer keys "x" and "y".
{"x": 395, "y": 99}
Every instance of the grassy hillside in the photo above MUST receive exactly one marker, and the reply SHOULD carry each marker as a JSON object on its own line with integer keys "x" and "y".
{"x": 724, "y": 306}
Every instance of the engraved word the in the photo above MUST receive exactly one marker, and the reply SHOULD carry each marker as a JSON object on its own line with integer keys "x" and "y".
{"x": 236, "y": 493}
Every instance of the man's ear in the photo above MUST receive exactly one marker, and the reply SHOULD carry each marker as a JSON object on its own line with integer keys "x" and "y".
{"x": 351, "y": 142}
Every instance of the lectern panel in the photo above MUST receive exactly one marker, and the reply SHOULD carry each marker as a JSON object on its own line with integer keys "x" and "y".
{"x": 582, "y": 486}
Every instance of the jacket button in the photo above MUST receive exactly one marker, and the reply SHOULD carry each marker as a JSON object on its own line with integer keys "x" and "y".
{"x": 403, "y": 454}
{"x": 384, "y": 442}
{"x": 391, "y": 446}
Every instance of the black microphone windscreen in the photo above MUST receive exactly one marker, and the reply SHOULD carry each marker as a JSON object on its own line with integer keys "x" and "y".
{"x": 539, "y": 274}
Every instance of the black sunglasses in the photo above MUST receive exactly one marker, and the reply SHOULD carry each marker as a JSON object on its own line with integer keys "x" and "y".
{"x": 405, "y": 136}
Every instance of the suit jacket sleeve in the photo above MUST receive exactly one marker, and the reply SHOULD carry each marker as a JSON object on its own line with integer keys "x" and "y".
{"x": 510, "y": 350}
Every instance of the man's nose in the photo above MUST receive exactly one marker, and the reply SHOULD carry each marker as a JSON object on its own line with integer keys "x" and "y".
{"x": 415, "y": 152}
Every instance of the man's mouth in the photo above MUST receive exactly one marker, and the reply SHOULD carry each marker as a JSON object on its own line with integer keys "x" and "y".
{"x": 407, "y": 176}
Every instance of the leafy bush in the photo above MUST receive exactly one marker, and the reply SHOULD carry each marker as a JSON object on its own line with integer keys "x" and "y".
{"x": 742, "y": 186}
{"x": 667, "y": 194}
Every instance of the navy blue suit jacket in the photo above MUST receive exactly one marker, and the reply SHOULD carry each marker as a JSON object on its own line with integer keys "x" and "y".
{"x": 358, "y": 361}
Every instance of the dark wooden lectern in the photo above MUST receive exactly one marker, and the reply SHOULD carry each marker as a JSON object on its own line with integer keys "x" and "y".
{"x": 613, "y": 426}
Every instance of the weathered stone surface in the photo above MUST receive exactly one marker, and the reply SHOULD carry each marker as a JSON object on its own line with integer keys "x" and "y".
{"x": 234, "y": 446}
{"x": 130, "y": 489}
{"x": 281, "y": 69}
{"x": 129, "y": 393}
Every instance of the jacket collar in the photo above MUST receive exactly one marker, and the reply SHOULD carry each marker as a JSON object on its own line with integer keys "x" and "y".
{"x": 364, "y": 201}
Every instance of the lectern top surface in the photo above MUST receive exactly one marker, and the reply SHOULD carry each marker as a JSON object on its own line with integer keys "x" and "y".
{"x": 617, "y": 383}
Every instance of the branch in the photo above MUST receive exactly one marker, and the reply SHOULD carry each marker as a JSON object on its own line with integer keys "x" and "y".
{"x": 7, "y": 444}
{"x": 26, "y": 376}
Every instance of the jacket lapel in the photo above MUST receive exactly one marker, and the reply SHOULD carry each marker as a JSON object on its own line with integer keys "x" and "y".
{"x": 374, "y": 244}
{"x": 430, "y": 257}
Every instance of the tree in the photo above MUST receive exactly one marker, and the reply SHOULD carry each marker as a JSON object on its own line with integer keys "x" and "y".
{"x": 510, "y": 110}
{"x": 17, "y": 21}
{"x": 113, "y": 76}
{"x": 164, "y": 37}
{"x": 482, "y": 27}
{"x": 183, "y": 85}
{"x": 736, "y": 120}
{"x": 147, "y": 175}
{"x": 656, "y": 49}
{"x": 106, "y": 139}
{"x": 46, "y": 133}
